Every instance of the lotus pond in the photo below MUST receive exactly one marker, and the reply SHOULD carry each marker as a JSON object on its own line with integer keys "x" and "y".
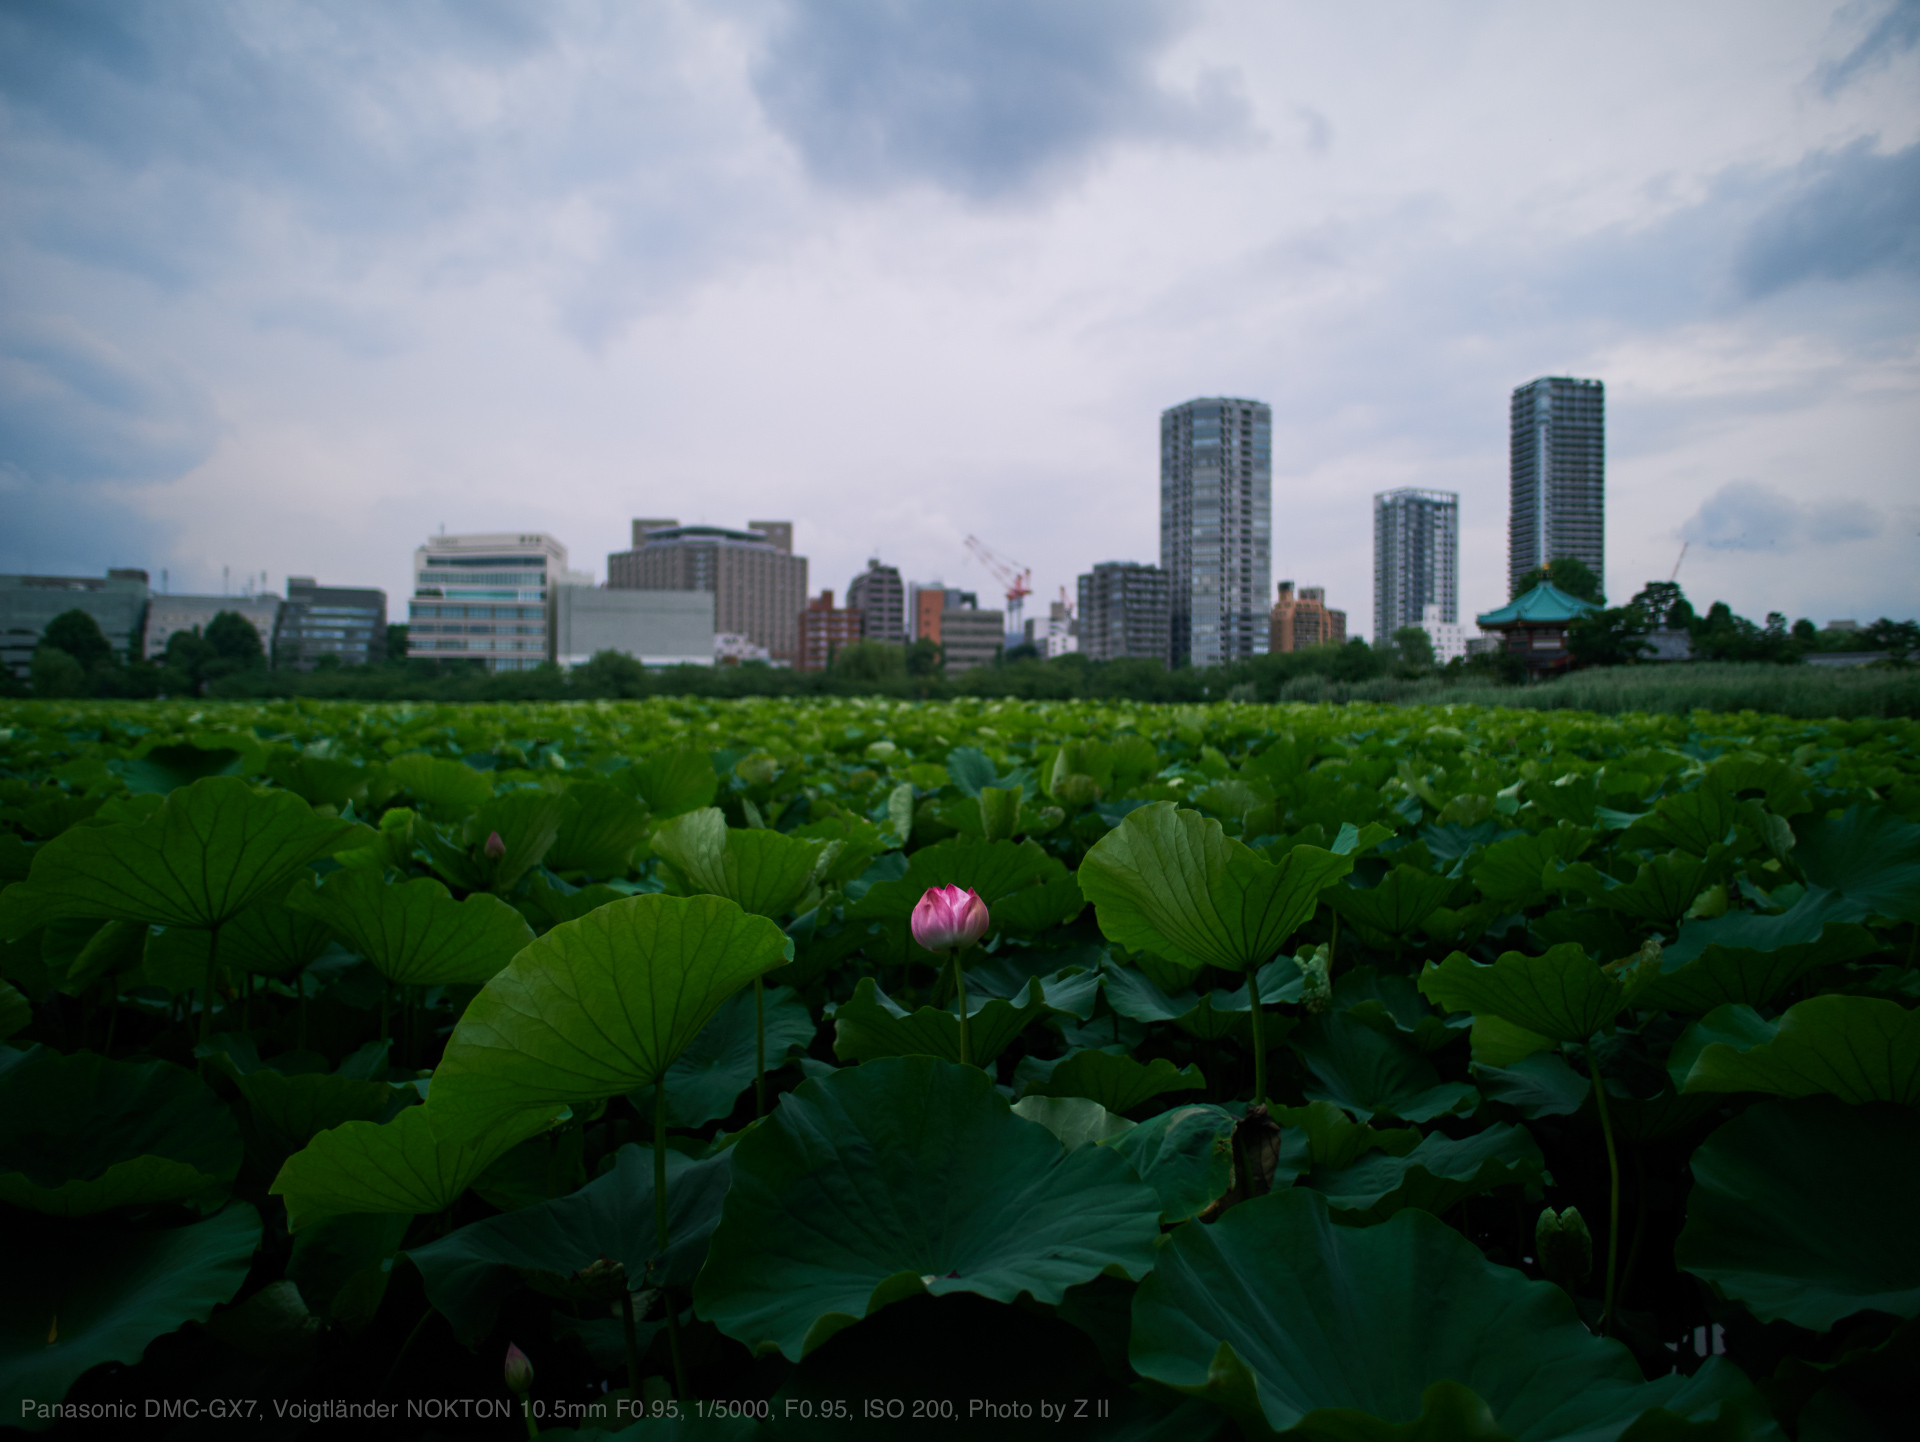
{"x": 1338, "y": 1072}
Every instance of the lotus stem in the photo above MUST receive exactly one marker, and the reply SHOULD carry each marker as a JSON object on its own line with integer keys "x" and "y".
{"x": 386, "y": 1001}
{"x": 1259, "y": 1038}
{"x": 405, "y": 1347}
{"x": 633, "y": 1342}
{"x": 960, "y": 987}
{"x": 1613, "y": 1203}
{"x": 759, "y": 1047}
{"x": 661, "y": 1234}
{"x": 206, "y": 1007}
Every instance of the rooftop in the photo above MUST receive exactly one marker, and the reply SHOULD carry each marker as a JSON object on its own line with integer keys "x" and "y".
{"x": 1545, "y": 605}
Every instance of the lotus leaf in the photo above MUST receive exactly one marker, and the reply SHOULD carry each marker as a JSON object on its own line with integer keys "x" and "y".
{"x": 1871, "y": 856}
{"x": 80, "y": 1134}
{"x": 296, "y": 1108}
{"x": 1353, "y": 1334}
{"x": 438, "y": 782}
{"x": 1857, "y": 1048}
{"x": 906, "y": 1175}
{"x": 871, "y": 1024}
{"x": 1371, "y": 1074}
{"x": 1511, "y": 870}
{"x": 1745, "y": 958}
{"x": 210, "y": 851}
{"x": 675, "y": 782}
{"x": 1185, "y": 1154}
{"x": 414, "y": 931}
{"x": 1433, "y": 1176}
{"x": 1405, "y": 897}
{"x": 763, "y": 872}
{"x": 1562, "y": 995}
{"x": 600, "y": 1006}
{"x": 469, "y": 1272}
{"x": 79, "y": 1296}
{"x": 1076, "y": 1121}
{"x": 408, "y": 1165}
{"x": 1118, "y": 1083}
{"x": 707, "y": 1078}
{"x": 1798, "y": 1209}
{"x": 601, "y": 830}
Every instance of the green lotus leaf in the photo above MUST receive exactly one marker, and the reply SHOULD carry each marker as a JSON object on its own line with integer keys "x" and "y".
{"x": 761, "y": 871}
{"x": 1118, "y": 1083}
{"x": 860, "y": 842}
{"x": 115, "y": 948}
{"x": 1320, "y": 1134}
{"x": 15, "y": 1010}
{"x": 1539, "y": 1085}
{"x": 439, "y": 782}
{"x": 408, "y": 1165}
{"x": 414, "y": 932}
{"x": 902, "y": 1176}
{"x": 1799, "y": 1210}
{"x": 600, "y": 1006}
{"x": 1215, "y": 1014}
{"x": 871, "y": 1024}
{"x": 675, "y": 782}
{"x": 78, "y": 1296}
{"x": 299, "y": 1107}
{"x": 1041, "y": 908}
{"x": 1405, "y": 897}
{"x": 1386, "y": 1001}
{"x": 1371, "y": 1074}
{"x": 318, "y": 780}
{"x": 1741, "y": 957}
{"x": 602, "y": 830}
{"x": 993, "y": 869}
{"x": 527, "y": 821}
{"x": 1871, "y": 855}
{"x": 1295, "y": 1324}
{"x": 1185, "y": 1155}
{"x": 1562, "y": 995}
{"x": 81, "y": 1134}
{"x": 468, "y": 1273}
{"x": 211, "y": 850}
{"x": 1511, "y": 870}
{"x": 1172, "y": 882}
{"x": 1695, "y": 821}
{"x": 1435, "y": 1175}
{"x": 707, "y": 1078}
{"x": 273, "y": 939}
{"x": 158, "y": 767}
{"x": 1661, "y": 890}
{"x": 1076, "y": 1121}
{"x": 1857, "y": 1048}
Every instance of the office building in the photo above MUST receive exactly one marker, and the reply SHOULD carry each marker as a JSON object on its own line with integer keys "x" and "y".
{"x": 1216, "y": 527}
{"x": 970, "y": 637}
{"x": 483, "y": 598}
{"x": 117, "y": 602}
{"x": 1125, "y": 610}
{"x": 1449, "y": 638}
{"x": 655, "y": 628}
{"x": 927, "y": 605}
{"x": 167, "y": 614}
{"x": 1301, "y": 622}
{"x": 1416, "y": 559}
{"x": 1557, "y": 476}
{"x": 759, "y": 586}
{"x": 349, "y": 622}
{"x": 881, "y": 597}
{"x": 1058, "y": 634}
{"x": 825, "y": 630}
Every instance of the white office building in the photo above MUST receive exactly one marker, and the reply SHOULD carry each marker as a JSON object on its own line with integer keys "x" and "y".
{"x": 484, "y": 598}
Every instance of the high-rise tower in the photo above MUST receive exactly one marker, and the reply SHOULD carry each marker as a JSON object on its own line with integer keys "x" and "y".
{"x": 1216, "y": 527}
{"x": 1416, "y": 559}
{"x": 1558, "y": 473}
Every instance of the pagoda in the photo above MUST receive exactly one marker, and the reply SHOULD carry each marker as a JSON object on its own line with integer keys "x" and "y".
{"x": 1534, "y": 626}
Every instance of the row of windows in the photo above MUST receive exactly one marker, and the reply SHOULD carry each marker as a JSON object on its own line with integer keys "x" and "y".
{"x": 443, "y": 629}
{"x": 479, "y": 613}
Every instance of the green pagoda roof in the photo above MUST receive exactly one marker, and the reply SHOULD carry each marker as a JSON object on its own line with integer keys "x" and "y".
{"x": 1545, "y": 605}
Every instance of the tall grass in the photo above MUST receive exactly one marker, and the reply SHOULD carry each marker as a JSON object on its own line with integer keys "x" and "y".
{"x": 1811, "y": 693}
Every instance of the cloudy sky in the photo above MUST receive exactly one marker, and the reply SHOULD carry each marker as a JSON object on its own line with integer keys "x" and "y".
{"x": 286, "y": 287}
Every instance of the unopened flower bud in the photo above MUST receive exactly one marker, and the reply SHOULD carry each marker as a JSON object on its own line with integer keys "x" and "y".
{"x": 519, "y": 1371}
{"x": 949, "y": 919}
{"x": 496, "y": 848}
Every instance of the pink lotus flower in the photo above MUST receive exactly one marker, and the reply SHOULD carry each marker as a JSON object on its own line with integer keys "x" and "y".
{"x": 519, "y": 1370}
{"x": 949, "y": 919}
{"x": 496, "y": 848}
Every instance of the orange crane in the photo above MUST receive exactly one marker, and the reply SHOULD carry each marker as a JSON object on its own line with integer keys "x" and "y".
{"x": 1015, "y": 579}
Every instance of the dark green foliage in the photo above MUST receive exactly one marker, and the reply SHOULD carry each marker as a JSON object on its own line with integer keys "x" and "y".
{"x": 80, "y": 636}
{"x": 1569, "y": 573}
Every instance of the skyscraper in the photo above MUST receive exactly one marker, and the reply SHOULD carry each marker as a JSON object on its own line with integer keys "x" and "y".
{"x": 1416, "y": 559}
{"x": 1123, "y": 611}
{"x": 1558, "y": 476}
{"x": 880, "y": 594}
{"x": 1216, "y": 527}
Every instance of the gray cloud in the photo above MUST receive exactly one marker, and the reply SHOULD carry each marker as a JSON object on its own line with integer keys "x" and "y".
{"x": 1854, "y": 213}
{"x": 1748, "y": 516}
{"x": 74, "y": 407}
{"x": 984, "y": 99}
{"x": 1895, "y": 32}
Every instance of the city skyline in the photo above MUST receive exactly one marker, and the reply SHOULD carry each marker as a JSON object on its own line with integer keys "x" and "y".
{"x": 283, "y": 281}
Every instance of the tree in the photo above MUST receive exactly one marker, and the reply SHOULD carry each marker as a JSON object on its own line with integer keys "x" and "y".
{"x": 233, "y": 638}
{"x": 396, "y": 642}
{"x": 870, "y": 661}
{"x": 1412, "y": 646}
{"x": 56, "y": 673}
{"x": 80, "y": 636}
{"x": 1902, "y": 638}
{"x": 1357, "y": 661}
{"x": 1568, "y": 573}
{"x": 1664, "y": 605}
{"x": 611, "y": 673}
{"x": 1613, "y": 637}
{"x": 926, "y": 658}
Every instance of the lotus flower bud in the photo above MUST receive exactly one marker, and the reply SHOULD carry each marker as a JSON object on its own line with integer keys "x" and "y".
{"x": 949, "y": 919}
{"x": 1564, "y": 1247}
{"x": 496, "y": 848}
{"x": 1317, "y": 967}
{"x": 519, "y": 1371}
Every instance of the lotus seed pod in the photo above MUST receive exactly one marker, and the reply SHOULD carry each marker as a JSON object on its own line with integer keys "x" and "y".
{"x": 1564, "y": 1247}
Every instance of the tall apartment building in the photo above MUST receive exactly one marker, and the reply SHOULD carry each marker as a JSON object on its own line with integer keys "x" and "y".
{"x": 117, "y": 602}
{"x": 759, "y": 586}
{"x": 825, "y": 629}
{"x": 484, "y": 598}
{"x": 1216, "y": 527}
{"x": 1416, "y": 559}
{"x": 880, "y": 596}
{"x": 1298, "y": 623}
{"x": 345, "y": 621}
{"x": 1557, "y": 472}
{"x": 1125, "y": 610}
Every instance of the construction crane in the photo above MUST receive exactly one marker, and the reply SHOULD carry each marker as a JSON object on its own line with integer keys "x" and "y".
{"x": 1015, "y": 579}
